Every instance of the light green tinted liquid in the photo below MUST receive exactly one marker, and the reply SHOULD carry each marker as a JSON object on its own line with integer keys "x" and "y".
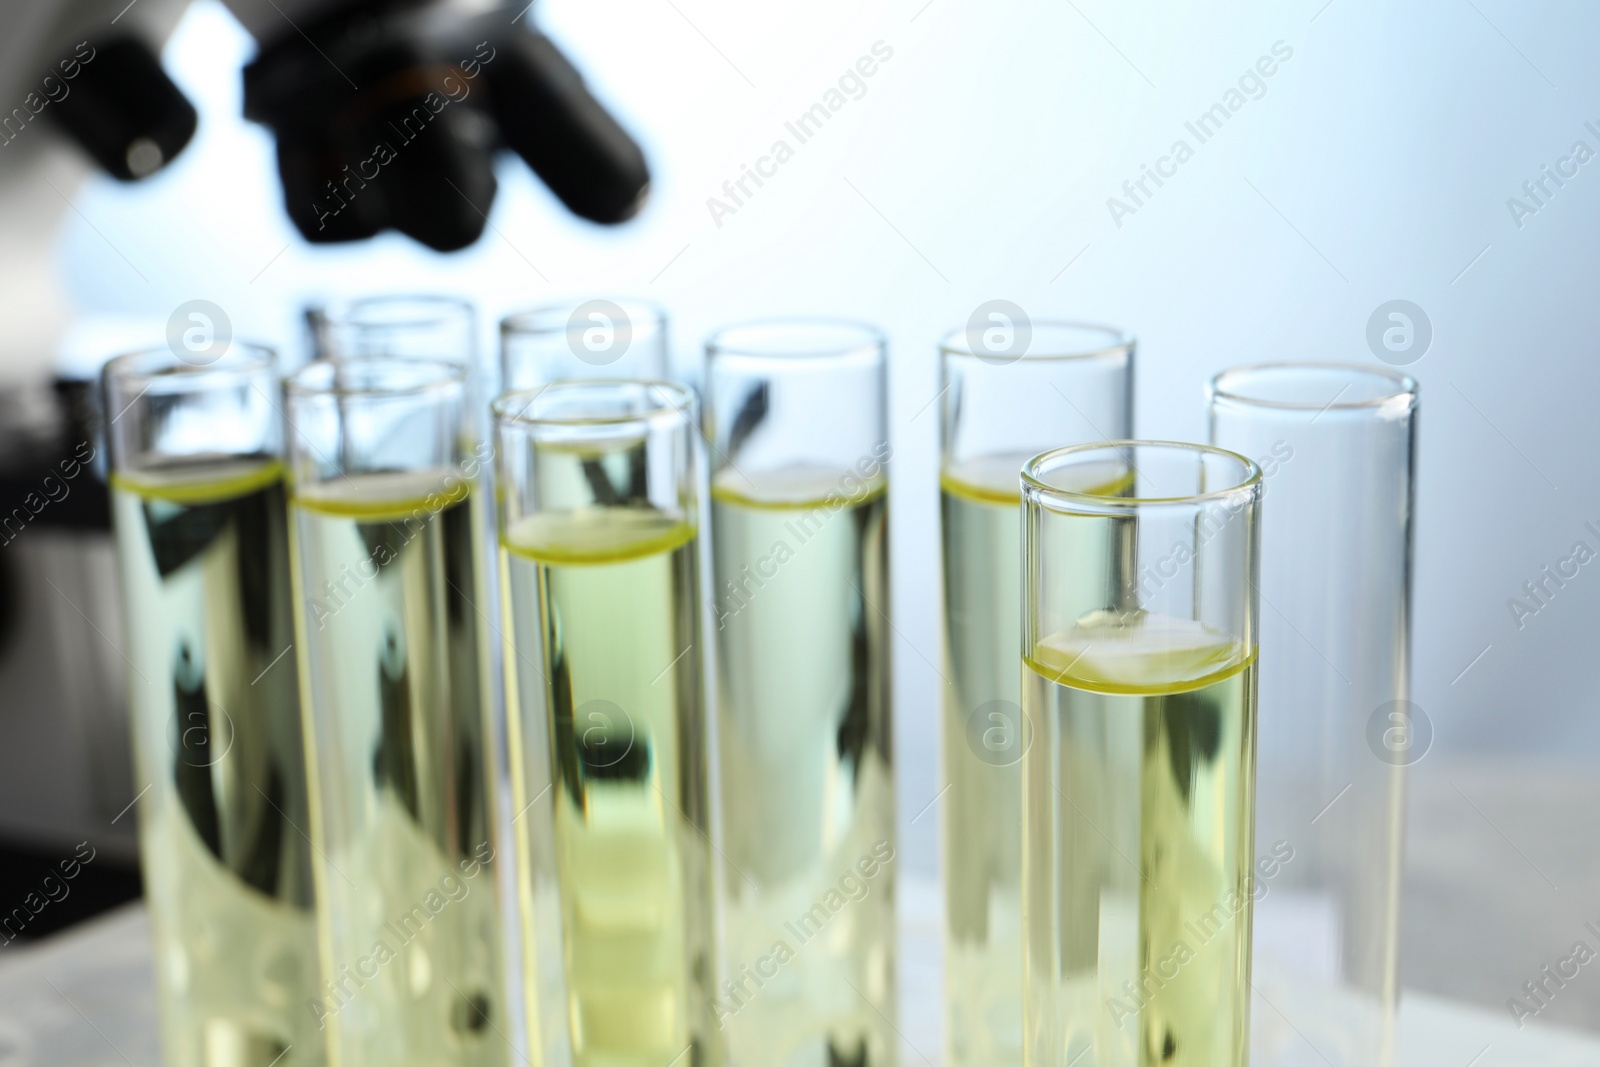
{"x": 216, "y": 724}
{"x": 801, "y": 588}
{"x": 982, "y": 808}
{"x": 604, "y": 675}
{"x": 1138, "y": 840}
{"x": 983, "y": 742}
{"x": 401, "y": 773}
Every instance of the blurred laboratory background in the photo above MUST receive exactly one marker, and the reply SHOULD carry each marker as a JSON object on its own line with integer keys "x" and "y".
{"x": 1261, "y": 181}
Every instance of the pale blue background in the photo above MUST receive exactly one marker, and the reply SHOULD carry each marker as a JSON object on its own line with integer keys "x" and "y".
{"x": 977, "y": 166}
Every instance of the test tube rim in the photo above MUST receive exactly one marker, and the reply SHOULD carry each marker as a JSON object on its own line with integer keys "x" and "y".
{"x": 345, "y": 312}
{"x": 449, "y": 374}
{"x": 1405, "y": 385}
{"x": 1122, "y": 343}
{"x": 680, "y": 401}
{"x": 1058, "y": 499}
{"x": 526, "y": 323}
{"x": 869, "y": 340}
{"x": 159, "y": 365}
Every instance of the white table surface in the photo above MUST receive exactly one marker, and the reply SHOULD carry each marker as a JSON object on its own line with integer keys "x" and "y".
{"x": 84, "y": 999}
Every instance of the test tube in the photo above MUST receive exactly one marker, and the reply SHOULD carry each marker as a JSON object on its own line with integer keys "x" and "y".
{"x": 198, "y": 503}
{"x": 795, "y": 414}
{"x": 403, "y": 326}
{"x": 407, "y": 326}
{"x": 1001, "y": 404}
{"x": 1336, "y": 446}
{"x": 600, "y": 567}
{"x": 1138, "y": 680}
{"x": 389, "y": 583}
{"x": 596, "y": 338}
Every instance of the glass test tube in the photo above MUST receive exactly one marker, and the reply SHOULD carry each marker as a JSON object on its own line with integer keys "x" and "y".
{"x": 595, "y": 338}
{"x": 600, "y": 569}
{"x": 1067, "y": 383}
{"x": 1139, "y": 654}
{"x": 389, "y": 583}
{"x": 1336, "y": 445}
{"x": 795, "y": 413}
{"x": 406, "y": 326}
{"x": 403, "y": 326}
{"x": 198, "y": 500}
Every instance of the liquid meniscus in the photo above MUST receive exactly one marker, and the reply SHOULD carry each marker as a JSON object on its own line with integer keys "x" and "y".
{"x": 1138, "y": 838}
{"x": 214, "y": 704}
{"x": 800, "y": 596}
{"x": 401, "y": 771}
{"x": 984, "y": 738}
{"x": 608, "y": 723}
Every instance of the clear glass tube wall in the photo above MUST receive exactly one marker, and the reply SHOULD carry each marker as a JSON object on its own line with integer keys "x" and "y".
{"x": 198, "y": 501}
{"x": 1000, "y": 405}
{"x": 1138, "y": 664}
{"x": 597, "y": 338}
{"x": 600, "y": 566}
{"x": 389, "y": 588}
{"x": 406, "y": 326}
{"x": 795, "y": 416}
{"x": 1336, "y": 445}
{"x": 401, "y": 325}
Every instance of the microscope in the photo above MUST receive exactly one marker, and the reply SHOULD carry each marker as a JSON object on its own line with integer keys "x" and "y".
{"x": 387, "y": 115}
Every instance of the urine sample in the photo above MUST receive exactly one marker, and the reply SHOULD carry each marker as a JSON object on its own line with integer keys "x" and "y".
{"x": 1138, "y": 667}
{"x": 1001, "y": 403}
{"x": 594, "y": 338}
{"x": 389, "y": 583}
{"x": 799, "y": 511}
{"x": 601, "y": 590}
{"x": 1336, "y": 445}
{"x": 197, "y": 492}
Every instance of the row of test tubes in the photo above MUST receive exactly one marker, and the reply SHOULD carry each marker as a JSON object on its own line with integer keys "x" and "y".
{"x": 397, "y": 650}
